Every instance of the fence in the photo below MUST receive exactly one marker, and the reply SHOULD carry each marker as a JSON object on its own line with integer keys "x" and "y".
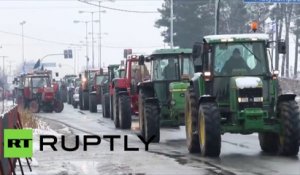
{"x": 10, "y": 120}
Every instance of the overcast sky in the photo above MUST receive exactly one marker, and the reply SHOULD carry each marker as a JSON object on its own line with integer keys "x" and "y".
{"x": 51, "y": 22}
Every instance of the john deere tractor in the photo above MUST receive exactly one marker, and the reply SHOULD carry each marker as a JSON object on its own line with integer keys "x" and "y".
{"x": 161, "y": 99}
{"x": 235, "y": 90}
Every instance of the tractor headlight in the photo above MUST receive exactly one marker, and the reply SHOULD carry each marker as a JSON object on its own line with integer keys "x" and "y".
{"x": 258, "y": 99}
{"x": 243, "y": 100}
{"x": 173, "y": 102}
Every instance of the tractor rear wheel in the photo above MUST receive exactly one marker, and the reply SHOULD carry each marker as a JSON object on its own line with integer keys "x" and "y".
{"x": 191, "y": 121}
{"x": 105, "y": 105}
{"x": 58, "y": 106}
{"x": 116, "y": 110}
{"x": 34, "y": 106}
{"x": 85, "y": 100}
{"x": 152, "y": 121}
{"x": 93, "y": 103}
{"x": 124, "y": 112}
{"x": 269, "y": 142}
{"x": 141, "y": 114}
{"x": 111, "y": 107}
{"x": 288, "y": 112}
{"x": 69, "y": 97}
{"x": 209, "y": 128}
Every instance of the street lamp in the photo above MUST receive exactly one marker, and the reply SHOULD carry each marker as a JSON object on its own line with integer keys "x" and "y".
{"x": 22, "y": 24}
{"x": 86, "y": 39}
{"x": 93, "y": 53}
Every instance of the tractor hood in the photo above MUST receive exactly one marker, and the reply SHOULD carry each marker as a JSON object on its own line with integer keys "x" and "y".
{"x": 246, "y": 82}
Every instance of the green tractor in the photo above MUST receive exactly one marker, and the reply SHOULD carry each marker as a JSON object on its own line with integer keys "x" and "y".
{"x": 161, "y": 99}
{"x": 235, "y": 90}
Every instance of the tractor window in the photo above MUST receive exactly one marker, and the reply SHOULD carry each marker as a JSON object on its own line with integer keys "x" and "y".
{"x": 39, "y": 82}
{"x": 166, "y": 69}
{"x": 188, "y": 67}
{"x": 234, "y": 59}
{"x": 99, "y": 80}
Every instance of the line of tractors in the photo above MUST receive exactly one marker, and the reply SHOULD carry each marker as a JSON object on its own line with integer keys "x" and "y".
{"x": 225, "y": 84}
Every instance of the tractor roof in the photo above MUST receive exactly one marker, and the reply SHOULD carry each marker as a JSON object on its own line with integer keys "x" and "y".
{"x": 236, "y": 38}
{"x": 171, "y": 51}
{"x": 113, "y": 65}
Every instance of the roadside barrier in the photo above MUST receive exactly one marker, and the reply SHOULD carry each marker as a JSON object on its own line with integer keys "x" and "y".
{"x": 10, "y": 120}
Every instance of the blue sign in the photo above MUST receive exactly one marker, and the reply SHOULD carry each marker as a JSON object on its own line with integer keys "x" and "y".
{"x": 272, "y": 1}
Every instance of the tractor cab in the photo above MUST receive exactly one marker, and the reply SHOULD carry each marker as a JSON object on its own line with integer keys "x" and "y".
{"x": 161, "y": 98}
{"x": 235, "y": 90}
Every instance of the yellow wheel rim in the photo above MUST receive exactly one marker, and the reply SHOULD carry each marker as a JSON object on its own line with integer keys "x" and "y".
{"x": 188, "y": 119}
{"x": 202, "y": 130}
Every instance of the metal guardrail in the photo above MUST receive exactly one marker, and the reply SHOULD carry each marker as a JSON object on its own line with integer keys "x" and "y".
{"x": 10, "y": 120}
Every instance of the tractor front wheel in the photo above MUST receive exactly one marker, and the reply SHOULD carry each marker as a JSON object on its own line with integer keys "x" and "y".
{"x": 152, "y": 121}
{"x": 105, "y": 105}
{"x": 34, "y": 106}
{"x": 85, "y": 100}
{"x": 116, "y": 110}
{"x": 209, "y": 128}
{"x": 191, "y": 121}
{"x": 93, "y": 103}
{"x": 269, "y": 142}
{"x": 288, "y": 112}
{"x": 58, "y": 106}
{"x": 125, "y": 112}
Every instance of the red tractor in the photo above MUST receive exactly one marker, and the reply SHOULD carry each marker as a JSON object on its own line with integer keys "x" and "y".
{"x": 125, "y": 99}
{"x": 39, "y": 93}
{"x": 95, "y": 93}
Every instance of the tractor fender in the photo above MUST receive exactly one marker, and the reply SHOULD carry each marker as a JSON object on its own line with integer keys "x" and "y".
{"x": 286, "y": 97}
{"x": 122, "y": 92}
{"x": 206, "y": 99}
{"x": 93, "y": 93}
{"x": 146, "y": 87}
{"x": 151, "y": 100}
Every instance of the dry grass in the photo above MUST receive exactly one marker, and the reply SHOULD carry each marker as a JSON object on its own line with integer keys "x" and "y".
{"x": 28, "y": 119}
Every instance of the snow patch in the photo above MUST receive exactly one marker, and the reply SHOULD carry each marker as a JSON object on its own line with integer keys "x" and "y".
{"x": 248, "y": 82}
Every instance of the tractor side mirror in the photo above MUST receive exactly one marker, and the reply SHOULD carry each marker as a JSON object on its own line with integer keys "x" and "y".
{"x": 275, "y": 74}
{"x": 141, "y": 60}
{"x": 56, "y": 74}
{"x": 79, "y": 76}
{"x": 196, "y": 50}
{"x": 281, "y": 46}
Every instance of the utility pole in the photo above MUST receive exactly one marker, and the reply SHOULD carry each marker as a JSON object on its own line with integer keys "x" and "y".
{"x": 87, "y": 45}
{"x": 23, "y": 57}
{"x": 217, "y": 16}
{"x": 100, "y": 42}
{"x": 93, "y": 53}
{"x": 172, "y": 25}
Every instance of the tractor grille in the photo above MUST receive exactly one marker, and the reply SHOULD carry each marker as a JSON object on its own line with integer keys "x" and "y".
{"x": 250, "y": 94}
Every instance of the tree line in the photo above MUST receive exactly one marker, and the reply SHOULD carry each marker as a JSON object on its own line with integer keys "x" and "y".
{"x": 194, "y": 19}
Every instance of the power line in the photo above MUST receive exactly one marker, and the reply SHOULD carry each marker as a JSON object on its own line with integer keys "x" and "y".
{"x": 76, "y": 45}
{"x": 117, "y": 9}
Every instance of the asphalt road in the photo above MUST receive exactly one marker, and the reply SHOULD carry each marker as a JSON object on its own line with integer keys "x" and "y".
{"x": 241, "y": 154}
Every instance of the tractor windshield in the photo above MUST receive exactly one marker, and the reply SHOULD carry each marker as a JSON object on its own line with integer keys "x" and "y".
{"x": 99, "y": 79}
{"x": 38, "y": 82}
{"x": 235, "y": 59}
{"x": 166, "y": 68}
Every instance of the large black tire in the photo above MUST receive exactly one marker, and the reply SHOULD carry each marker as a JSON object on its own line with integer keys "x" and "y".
{"x": 209, "y": 127}
{"x": 75, "y": 104}
{"x": 111, "y": 107}
{"x": 58, "y": 106}
{"x": 80, "y": 100}
{"x": 69, "y": 97}
{"x": 116, "y": 110}
{"x": 93, "y": 103}
{"x": 191, "y": 121}
{"x": 288, "y": 112}
{"x": 141, "y": 114}
{"x": 105, "y": 105}
{"x": 152, "y": 121}
{"x": 85, "y": 97}
{"x": 34, "y": 106}
{"x": 125, "y": 112}
{"x": 269, "y": 142}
